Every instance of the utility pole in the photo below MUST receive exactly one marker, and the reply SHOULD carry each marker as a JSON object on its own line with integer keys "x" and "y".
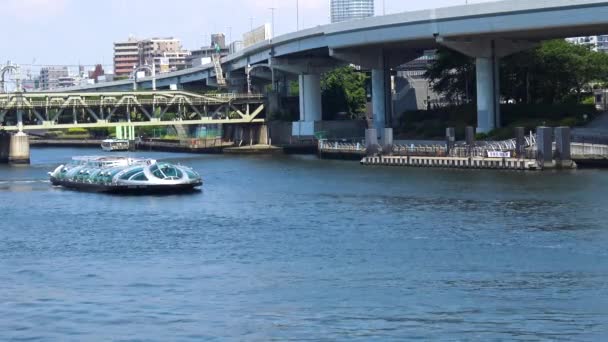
{"x": 250, "y": 24}
{"x": 383, "y": 7}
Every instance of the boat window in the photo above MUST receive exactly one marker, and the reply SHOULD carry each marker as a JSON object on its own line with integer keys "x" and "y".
{"x": 171, "y": 171}
{"x": 166, "y": 171}
{"x": 157, "y": 172}
{"x": 192, "y": 175}
{"x": 127, "y": 175}
{"x": 140, "y": 177}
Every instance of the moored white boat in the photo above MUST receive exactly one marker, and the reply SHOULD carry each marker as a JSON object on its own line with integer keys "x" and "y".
{"x": 111, "y": 145}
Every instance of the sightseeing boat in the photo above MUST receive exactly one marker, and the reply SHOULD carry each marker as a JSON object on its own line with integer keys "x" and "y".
{"x": 113, "y": 145}
{"x": 125, "y": 175}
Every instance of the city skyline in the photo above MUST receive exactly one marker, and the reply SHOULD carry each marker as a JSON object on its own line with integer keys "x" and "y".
{"x": 94, "y": 26}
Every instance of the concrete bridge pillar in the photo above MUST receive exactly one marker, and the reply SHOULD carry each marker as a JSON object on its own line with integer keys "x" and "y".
{"x": 544, "y": 146}
{"x": 487, "y": 54}
{"x": 19, "y": 152}
{"x": 381, "y": 91}
{"x": 488, "y": 94}
{"x": 371, "y": 141}
{"x": 5, "y": 145}
{"x": 311, "y": 108}
{"x": 310, "y": 98}
{"x": 563, "y": 142}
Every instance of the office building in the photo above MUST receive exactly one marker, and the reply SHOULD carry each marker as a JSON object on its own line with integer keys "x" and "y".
{"x": 346, "y": 10}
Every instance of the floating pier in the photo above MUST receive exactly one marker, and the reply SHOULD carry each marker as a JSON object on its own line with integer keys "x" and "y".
{"x": 454, "y": 162}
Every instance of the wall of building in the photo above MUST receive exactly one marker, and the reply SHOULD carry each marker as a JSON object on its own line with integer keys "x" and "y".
{"x": 346, "y": 10}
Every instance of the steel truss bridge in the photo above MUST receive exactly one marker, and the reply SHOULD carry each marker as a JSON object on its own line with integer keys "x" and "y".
{"x": 37, "y": 111}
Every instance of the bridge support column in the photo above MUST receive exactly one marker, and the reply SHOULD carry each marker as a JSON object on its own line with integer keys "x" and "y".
{"x": 5, "y": 146}
{"x": 310, "y": 98}
{"x": 19, "y": 152}
{"x": 487, "y": 54}
{"x": 488, "y": 94}
{"x": 310, "y": 105}
{"x": 381, "y": 97}
{"x": 544, "y": 146}
{"x": 126, "y": 132}
{"x": 563, "y": 142}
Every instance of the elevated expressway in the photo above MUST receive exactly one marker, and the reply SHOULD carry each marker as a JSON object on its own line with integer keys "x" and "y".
{"x": 487, "y": 32}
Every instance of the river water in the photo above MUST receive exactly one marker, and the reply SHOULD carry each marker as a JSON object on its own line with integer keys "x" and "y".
{"x": 295, "y": 248}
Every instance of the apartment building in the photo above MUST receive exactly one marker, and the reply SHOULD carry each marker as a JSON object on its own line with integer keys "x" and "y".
{"x": 50, "y": 77}
{"x": 166, "y": 54}
{"x": 127, "y": 56}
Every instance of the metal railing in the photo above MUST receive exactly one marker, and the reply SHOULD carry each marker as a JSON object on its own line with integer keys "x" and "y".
{"x": 581, "y": 150}
{"x": 344, "y": 145}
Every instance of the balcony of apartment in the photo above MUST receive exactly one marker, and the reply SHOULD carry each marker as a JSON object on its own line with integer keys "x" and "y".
{"x": 126, "y": 53}
{"x": 126, "y": 59}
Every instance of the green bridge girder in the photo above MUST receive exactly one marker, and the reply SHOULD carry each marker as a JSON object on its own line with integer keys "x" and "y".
{"x": 37, "y": 111}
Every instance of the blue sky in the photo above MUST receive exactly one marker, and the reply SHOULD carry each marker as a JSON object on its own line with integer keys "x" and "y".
{"x": 82, "y": 31}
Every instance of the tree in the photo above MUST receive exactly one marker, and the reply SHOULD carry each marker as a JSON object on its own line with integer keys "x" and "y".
{"x": 552, "y": 73}
{"x": 343, "y": 90}
{"x": 453, "y": 75}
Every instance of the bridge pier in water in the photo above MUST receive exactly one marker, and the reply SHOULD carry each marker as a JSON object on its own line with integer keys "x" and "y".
{"x": 5, "y": 146}
{"x": 19, "y": 152}
{"x": 14, "y": 148}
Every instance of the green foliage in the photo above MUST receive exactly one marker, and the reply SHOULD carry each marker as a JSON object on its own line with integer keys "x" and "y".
{"x": 294, "y": 88}
{"x": 453, "y": 75}
{"x": 432, "y": 123}
{"x": 77, "y": 131}
{"x": 101, "y": 132}
{"x": 555, "y": 72}
{"x": 589, "y": 100}
{"x": 343, "y": 91}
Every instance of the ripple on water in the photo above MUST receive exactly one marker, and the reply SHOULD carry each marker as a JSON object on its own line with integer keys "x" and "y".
{"x": 292, "y": 248}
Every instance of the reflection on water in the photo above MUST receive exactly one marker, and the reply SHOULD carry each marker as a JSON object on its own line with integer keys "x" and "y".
{"x": 280, "y": 248}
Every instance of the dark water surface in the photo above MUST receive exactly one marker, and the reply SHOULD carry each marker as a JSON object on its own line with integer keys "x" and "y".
{"x": 294, "y": 248}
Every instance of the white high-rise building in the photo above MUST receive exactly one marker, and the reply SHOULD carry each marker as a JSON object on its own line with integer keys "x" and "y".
{"x": 345, "y": 10}
{"x": 596, "y": 43}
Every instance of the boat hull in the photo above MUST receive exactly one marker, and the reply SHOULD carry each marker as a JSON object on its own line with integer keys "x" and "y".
{"x": 143, "y": 189}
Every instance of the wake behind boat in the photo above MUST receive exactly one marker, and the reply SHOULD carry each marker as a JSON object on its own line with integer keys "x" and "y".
{"x": 125, "y": 175}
